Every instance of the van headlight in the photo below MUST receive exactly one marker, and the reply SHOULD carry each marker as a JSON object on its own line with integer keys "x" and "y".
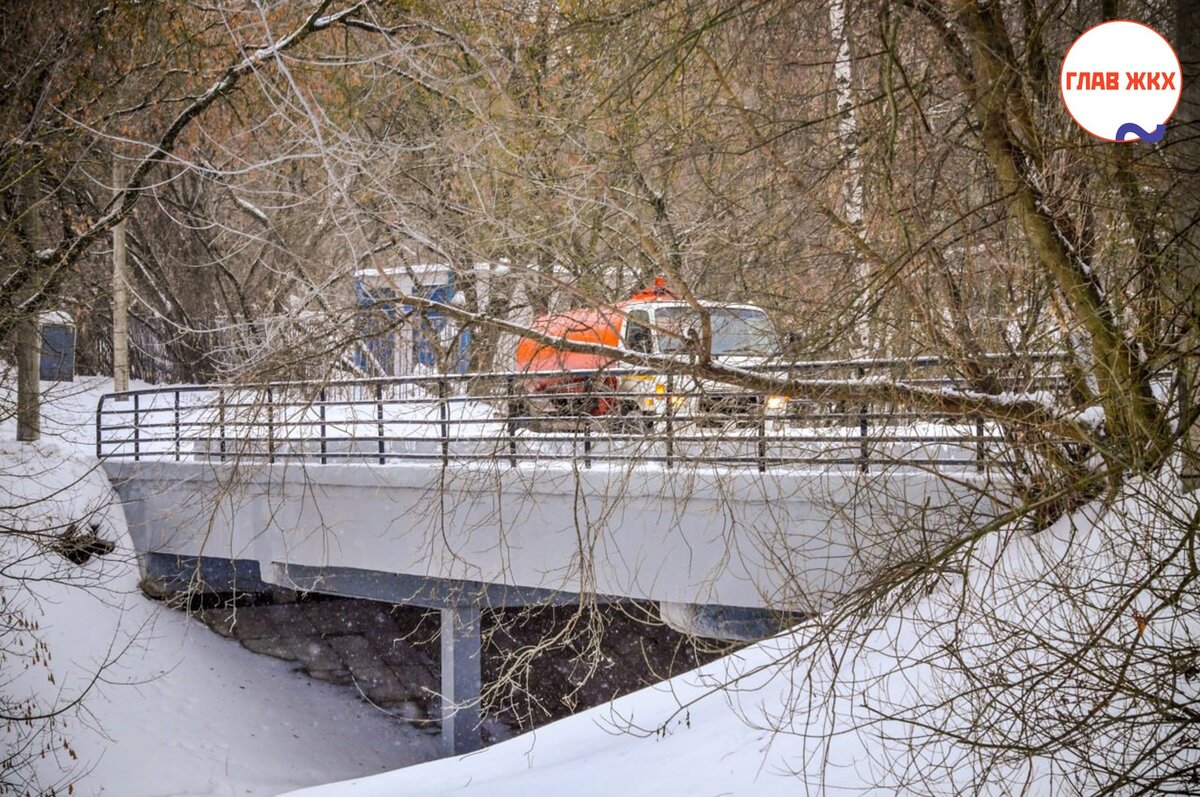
{"x": 677, "y": 400}
{"x": 777, "y": 403}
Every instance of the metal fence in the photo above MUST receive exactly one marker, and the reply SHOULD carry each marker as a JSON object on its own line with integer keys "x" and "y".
{"x": 586, "y": 418}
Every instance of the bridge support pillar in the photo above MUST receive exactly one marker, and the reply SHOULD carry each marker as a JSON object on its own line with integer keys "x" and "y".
{"x": 462, "y": 679}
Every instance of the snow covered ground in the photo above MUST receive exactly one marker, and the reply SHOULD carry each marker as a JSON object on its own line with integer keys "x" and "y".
{"x": 175, "y": 709}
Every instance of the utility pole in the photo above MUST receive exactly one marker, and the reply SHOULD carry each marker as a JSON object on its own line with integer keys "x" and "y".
{"x": 120, "y": 292}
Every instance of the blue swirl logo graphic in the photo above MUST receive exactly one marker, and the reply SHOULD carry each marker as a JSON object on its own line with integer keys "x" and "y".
{"x": 1132, "y": 127}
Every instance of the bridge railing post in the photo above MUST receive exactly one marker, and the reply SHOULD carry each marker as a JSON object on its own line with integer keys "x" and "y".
{"x": 980, "y": 447}
{"x": 586, "y": 419}
{"x": 178, "y": 442}
{"x": 270, "y": 426}
{"x": 510, "y": 391}
{"x": 762, "y": 438}
{"x": 669, "y": 416}
{"x": 864, "y": 451}
{"x": 99, "y": 435}
{"x": 444, "y": 416}
{"x": 137, "y": 432}
{"x": 324, "y": 442}
{"x": 221, "y": 421}
{"x": 379, "y": 421}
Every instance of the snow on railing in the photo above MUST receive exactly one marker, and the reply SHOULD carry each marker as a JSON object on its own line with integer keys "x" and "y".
{"x": 613, "y": 415}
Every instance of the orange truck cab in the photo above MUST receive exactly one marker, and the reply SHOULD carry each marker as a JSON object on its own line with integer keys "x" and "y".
{"x": 652, "y": 321}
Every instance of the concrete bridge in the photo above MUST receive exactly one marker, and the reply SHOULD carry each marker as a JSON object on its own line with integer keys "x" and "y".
{"x": 430, "y": 495}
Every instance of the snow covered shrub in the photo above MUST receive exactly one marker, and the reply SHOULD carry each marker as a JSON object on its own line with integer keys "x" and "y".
{"x": 1059, "y": 660}
{"x": 1076, "y": 648}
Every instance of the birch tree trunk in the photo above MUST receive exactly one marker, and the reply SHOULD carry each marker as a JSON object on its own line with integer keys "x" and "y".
{"x": 120, "y": 293}
{"x": 848, "y": 138}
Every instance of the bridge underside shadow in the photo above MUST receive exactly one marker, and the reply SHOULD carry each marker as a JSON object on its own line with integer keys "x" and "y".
{"x": 459, "y": 604}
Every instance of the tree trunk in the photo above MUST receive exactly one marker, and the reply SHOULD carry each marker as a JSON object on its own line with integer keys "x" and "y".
{"x": 29, "y": 410}
{"x": 120, "y": 292}
{"x": 25, "y": 328}
{"x": 1132, "y": 414}
{"x": 1185, "y": 146}
{"x": 848, "y": 136}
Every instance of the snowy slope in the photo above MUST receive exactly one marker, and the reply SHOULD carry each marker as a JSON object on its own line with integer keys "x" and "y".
{"x": 176, "y": 709}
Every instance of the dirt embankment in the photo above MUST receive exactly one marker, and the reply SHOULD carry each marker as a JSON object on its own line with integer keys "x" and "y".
{"x": 539, "y": 664}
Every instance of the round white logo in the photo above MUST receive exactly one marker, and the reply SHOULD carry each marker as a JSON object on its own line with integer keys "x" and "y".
{"x": 1121, "y": 81}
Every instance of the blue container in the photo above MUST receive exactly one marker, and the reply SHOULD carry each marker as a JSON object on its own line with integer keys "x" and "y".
{"x": 378, "y": 306}
{"x": 58, "y": 349}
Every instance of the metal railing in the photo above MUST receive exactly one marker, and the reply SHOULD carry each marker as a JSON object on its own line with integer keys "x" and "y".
{"x": 608, "y": 416}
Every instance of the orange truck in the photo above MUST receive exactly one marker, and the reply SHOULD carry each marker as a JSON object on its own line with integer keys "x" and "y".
{"x": 653, "y": 321}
